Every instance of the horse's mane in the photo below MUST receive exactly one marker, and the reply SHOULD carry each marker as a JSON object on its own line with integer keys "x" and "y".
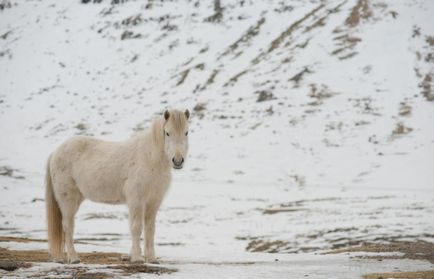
{"x": 157, "y": 130}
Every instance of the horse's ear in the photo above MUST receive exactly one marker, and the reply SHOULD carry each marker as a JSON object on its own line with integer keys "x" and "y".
{"x": 166, "y": 115}
{"x": 187, "y": 114}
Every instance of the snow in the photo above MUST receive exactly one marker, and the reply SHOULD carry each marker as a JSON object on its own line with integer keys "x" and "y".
{"x": 332, "y": 158}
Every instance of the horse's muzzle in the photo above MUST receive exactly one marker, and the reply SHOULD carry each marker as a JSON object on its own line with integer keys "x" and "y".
{"x": 178, "y": 164}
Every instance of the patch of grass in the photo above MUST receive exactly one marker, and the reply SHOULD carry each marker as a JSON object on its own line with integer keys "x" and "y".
{"x": 184, "y": 75}
{"x": 132, "y": 20}
{"x": 266, "y": 246}
{"x": 348, "y": 56}
{"x": 404, "y": 110}
{"x": 401, "y": 129}
{"x": 299, "y": 76}
{"x": 247, "y": 36}
{"x": 235, "y": 78}
{"x": 264, "y": 95}
{"x": 426, "y": 87}
{"x": 211, "y": 78}
{"x": 276, "y": 42}
{"x": 10, "y": 172}
{"x": 130, "y": 35}
{"x": 282, "y": 37}
{"x": 129, "y": 269}
{"x": 360, "y": 11}
{"x": 199, "y": 110}
{"x": 319, "y": 94}
{"x": 13, "y": 265}
{"x": 402, "y": 275}
{"x": 321, "y": 21}
{"x": 91, "y": 275}
{"x": 417, "y": 250}
{"x": 5, "y": 35}
{"x": 430, "y": 40}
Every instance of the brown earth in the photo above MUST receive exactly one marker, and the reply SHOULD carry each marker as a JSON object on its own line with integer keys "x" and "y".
{"x": 11, "y": 260}
{"x": 418, "y": 250}
{"x": 42, "y": 256}
{"x": 397, "y": 275}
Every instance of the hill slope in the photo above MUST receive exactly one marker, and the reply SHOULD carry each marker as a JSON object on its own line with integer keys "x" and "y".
{"x": 320, "y": 111}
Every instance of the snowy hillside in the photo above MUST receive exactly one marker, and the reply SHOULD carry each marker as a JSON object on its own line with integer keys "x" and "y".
{"x": 312, "y": 123}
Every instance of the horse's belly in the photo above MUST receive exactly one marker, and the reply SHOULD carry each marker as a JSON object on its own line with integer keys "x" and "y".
{"x": 103, "y": 193}
{"x": 107, "y": 199}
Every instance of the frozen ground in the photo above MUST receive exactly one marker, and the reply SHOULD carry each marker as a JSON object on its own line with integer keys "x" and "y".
{"x": 312, "y": 127}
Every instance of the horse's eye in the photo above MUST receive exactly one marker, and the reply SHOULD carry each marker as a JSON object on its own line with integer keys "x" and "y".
{"x": 186, "y": 133}
{"x": 167, "y": 134}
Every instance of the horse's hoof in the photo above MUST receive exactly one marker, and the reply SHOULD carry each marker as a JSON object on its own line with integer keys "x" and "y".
{"x": 60, "y": 261}
{"x": 77, "y": 261}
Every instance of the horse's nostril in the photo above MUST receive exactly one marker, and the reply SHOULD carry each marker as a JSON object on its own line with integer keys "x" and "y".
{"x": 176, "y": 162}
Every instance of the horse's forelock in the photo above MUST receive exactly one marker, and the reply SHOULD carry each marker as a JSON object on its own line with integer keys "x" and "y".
{"x": 179, "y": 120}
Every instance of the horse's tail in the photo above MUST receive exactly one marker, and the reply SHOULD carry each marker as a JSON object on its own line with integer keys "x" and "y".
{"x": 54, "y": 218}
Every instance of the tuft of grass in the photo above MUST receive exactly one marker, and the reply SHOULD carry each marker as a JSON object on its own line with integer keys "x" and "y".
{"x": 184, "y": 75}
{"x": 282, "y": 37}
{"x": 235, "y": 78}
{"x": 405, "y": 110}
{"x": 299, "y": 76}
{"x": 264, "y": 95}
{"x": 360, "y": 11}
{"x": 246, "y": 37}
{"x": 426, "y": 87}
{"x": 401, "y": 129}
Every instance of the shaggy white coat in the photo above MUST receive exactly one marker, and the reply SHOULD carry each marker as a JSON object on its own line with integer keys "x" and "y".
{"x": 136, "y": 172}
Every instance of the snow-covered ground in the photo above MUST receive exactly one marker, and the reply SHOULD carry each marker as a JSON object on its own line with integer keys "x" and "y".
{"x": 312, "y": 125}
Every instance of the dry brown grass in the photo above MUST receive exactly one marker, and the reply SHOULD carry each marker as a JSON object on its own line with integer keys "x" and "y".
{"x": 418, "y": 250}
{"x": 360, "y": 11}
{"x": 266, "y": 246}
{"x": 405, "y": 110}
{"x": 21, "y": 258}
{"x": 299, "y": 76}
{"x": 20, "y": 239}
{"x": 235, "y": 78}
{"x": 401, "y": 275}
{"x": 426, "y": 87}
{"x": 42, "y": 256}
{"x": 282, "y": 37}
{"x": 430, "y": 40}
{"x": 184, "y": 75}
{"x": 246, "y": 37}
{"x": 401, "y": 129}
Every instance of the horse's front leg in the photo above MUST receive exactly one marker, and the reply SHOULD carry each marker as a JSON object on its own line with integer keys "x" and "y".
{"x": 149, "y": 230}
{"x": 136, "y": 211}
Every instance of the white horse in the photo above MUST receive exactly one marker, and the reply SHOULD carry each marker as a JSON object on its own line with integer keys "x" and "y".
{"x": 136, "y": 172}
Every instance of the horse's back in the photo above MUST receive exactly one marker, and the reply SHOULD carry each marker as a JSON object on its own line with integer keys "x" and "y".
{"x": 93, "y": 166}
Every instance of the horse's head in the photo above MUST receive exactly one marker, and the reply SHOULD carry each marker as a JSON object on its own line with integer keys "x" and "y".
{"x": 176, "y": 136}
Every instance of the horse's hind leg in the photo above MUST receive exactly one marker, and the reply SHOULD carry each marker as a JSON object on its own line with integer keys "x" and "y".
{"x": 69, "y": 202}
